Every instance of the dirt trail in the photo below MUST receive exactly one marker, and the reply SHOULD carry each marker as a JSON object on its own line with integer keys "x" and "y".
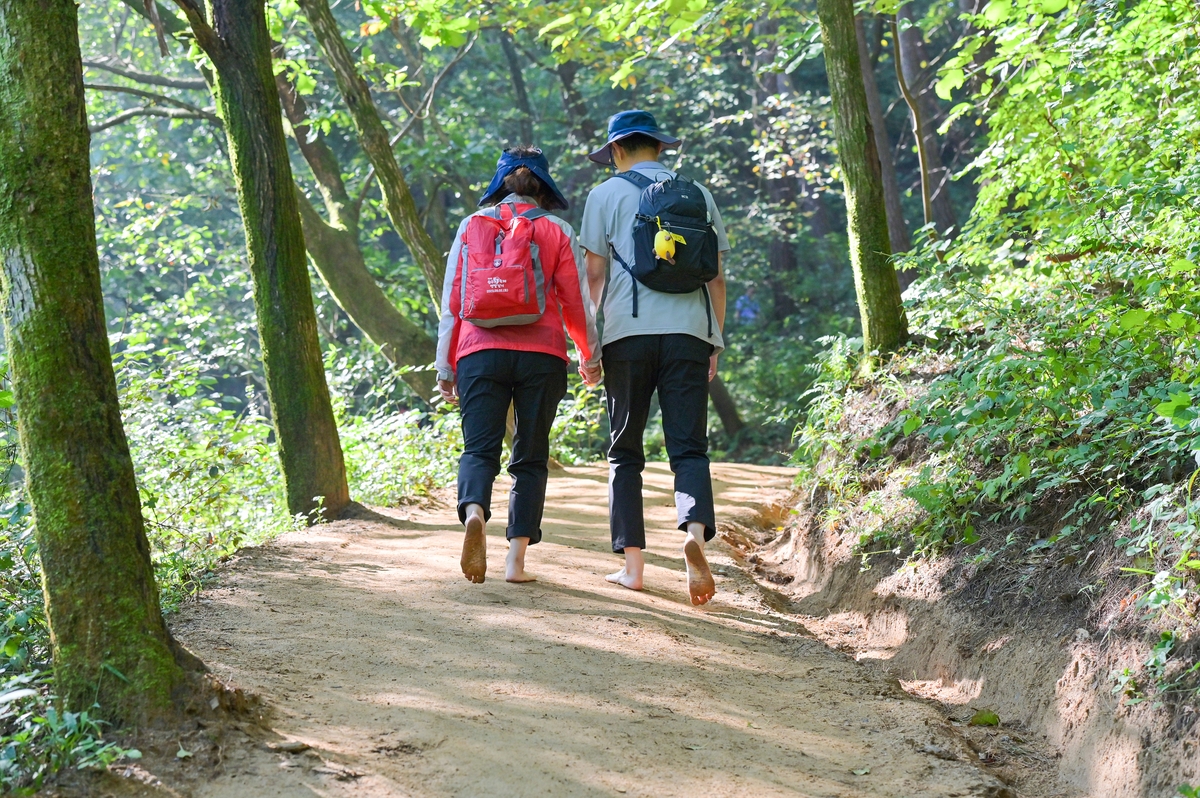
{"x": 367, "y": 644}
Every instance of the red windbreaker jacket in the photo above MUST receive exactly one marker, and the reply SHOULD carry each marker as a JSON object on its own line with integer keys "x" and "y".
{"x": 567, "y": 302}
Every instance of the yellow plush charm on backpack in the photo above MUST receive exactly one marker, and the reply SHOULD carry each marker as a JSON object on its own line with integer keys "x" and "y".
{"x": 664, "y": 243}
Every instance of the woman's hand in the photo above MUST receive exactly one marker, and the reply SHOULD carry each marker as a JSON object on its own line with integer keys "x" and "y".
{"x": 712, "y": 365}
{"x": 591, "y": 374}
{"x": 448, "y": 390}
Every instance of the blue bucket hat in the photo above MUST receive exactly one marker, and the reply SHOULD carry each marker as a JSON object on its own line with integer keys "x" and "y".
{"x": 626, "y": 124}
{"x": 510, "y": 162}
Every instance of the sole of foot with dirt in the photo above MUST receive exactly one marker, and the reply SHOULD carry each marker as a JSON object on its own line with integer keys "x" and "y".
{"x": 382, "y": 672}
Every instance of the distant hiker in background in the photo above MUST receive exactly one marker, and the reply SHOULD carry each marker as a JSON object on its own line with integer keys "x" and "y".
{"x": 514, "y": 277}
{"x": 654, "y": 244}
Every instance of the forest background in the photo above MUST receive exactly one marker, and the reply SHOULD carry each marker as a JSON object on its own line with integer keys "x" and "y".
{"x": 1049, "y": 259}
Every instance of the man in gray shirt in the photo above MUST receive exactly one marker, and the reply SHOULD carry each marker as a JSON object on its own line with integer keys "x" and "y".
{"x": 652, "y": 340}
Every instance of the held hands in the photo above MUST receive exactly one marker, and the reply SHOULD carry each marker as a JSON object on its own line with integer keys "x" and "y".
{"x": 590, "y": 374}
{"x": 448, "y": 390}
{"x": 712, "y": 365}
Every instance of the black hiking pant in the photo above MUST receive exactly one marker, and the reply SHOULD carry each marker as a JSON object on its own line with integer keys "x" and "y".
{"x": 677, "y": 367}
{"x": 488, "y": 381}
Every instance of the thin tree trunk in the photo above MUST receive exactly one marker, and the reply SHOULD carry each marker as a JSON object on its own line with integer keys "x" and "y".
{"x": 912, "y": 54}
{"x": 725, "y": 406}
{"x": 897, "y": 227}
{"x": 917, "y": 113}
{"x": 109, "y": 641}
{"x": 397, "y": 198}
{"x": 581, "y": 135}
{"x": 583, "y": 129}
{"x": 337, "y": 254}
{"x": 883, "y": 322}
{"x": 780, "y": 190}
{"x": 239, "y": 46}
{"x": 525, "y": 122}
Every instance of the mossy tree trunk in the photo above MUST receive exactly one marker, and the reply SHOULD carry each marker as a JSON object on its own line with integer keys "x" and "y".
{"x": 883, "y": 322}
{"x": 109, "y": 641}
{"x": 235, "y": 38}
{"x": 372, "y": 137}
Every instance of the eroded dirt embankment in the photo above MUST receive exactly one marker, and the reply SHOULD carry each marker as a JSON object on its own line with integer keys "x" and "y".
{"x": 1034, "y": 638}
{"x": 382, "y": 672}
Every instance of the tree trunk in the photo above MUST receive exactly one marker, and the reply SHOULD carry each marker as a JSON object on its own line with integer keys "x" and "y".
{"x": 239, "y": 46}
{"x": 525, "y": 122}
{"x": 897, "y": 227}
{"x": 337, "y": 254}
{"x": 107, "y": 634}
{"x": 726, "y": 408}
{"x": 883, "y": 322}
{"x": 580, "y": 137}
{"x": 583, "y": 129}
{"x": 912, "y": 54}
{"x": 397, "y": 198}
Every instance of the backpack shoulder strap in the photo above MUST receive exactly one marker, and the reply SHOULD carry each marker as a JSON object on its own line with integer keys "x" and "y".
{"x": 635, "y": 177}
{"x": 535, "y": 213}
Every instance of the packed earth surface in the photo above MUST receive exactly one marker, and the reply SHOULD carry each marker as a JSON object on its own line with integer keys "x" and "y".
{"x": 380, "y": 671}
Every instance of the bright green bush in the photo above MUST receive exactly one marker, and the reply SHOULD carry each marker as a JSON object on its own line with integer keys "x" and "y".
{"x": 1057, "y": 365}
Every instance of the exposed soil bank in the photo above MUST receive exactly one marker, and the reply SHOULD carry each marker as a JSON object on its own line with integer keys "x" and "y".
{"x": 382, "y": 672}
{"x": 1035, "y": 641}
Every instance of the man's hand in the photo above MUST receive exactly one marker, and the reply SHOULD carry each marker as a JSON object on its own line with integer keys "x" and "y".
{"x": 449, "y": 391}
{"x": 590, "y": 374}
{"x": 712, "y": 365}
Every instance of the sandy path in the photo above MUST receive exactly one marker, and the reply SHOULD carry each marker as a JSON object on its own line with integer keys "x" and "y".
{"x": 368, "y": 645}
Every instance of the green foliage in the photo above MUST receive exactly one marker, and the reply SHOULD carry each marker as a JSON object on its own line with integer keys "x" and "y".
{"x": 208, "y": 475}
{"x": 396, "y": 458}
{"x": 37, "y": 739}
{"x": 580, "y": 431}
{"x": 1058, "y": 386}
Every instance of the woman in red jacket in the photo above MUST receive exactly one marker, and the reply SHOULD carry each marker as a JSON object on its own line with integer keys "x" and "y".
{"x": 486, "y": 365}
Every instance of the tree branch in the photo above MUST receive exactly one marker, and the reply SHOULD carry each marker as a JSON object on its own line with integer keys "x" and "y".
{"x": 206, "y": 37}
{"x": 156, "y": 21}
{"x": 149, "y": 95}
{"x": 321, "y": 159}
{"x": 153, "y": 110}
{"x": 1067, "y": 257}
{"x": 421, "y": 112}
{"x": 169, "y": 22}
{"x": 147, "y": 78}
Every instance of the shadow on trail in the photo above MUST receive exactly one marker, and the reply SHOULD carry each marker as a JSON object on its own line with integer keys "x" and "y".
{"x": 373, "y": 648}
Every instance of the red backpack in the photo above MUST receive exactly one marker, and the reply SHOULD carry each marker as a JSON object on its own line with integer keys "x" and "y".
{"x": 500, "y": 269}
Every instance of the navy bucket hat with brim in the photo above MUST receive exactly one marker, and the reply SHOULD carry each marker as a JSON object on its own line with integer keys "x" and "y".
{"x": 510, "y": 162}
{"x": 626, "y": 124}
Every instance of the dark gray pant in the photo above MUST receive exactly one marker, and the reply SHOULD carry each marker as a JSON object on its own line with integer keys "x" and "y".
{"x": 677, "y": 367}
{"x": 488, "y": 381}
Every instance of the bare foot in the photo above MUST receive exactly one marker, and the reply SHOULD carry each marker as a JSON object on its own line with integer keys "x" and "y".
{"x": 474, "y": 553}
{"x": 625, "y": 579}
{"x": 519, "y": 576}
{"x": 700, "y": 579}
{"x": 514, "y": 564}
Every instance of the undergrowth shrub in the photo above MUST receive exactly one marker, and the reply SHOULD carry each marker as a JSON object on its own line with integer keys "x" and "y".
{"x": 1056, "y": 380}
{"x": 209, "y": 480}
{"x": 1069, "y": 386}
